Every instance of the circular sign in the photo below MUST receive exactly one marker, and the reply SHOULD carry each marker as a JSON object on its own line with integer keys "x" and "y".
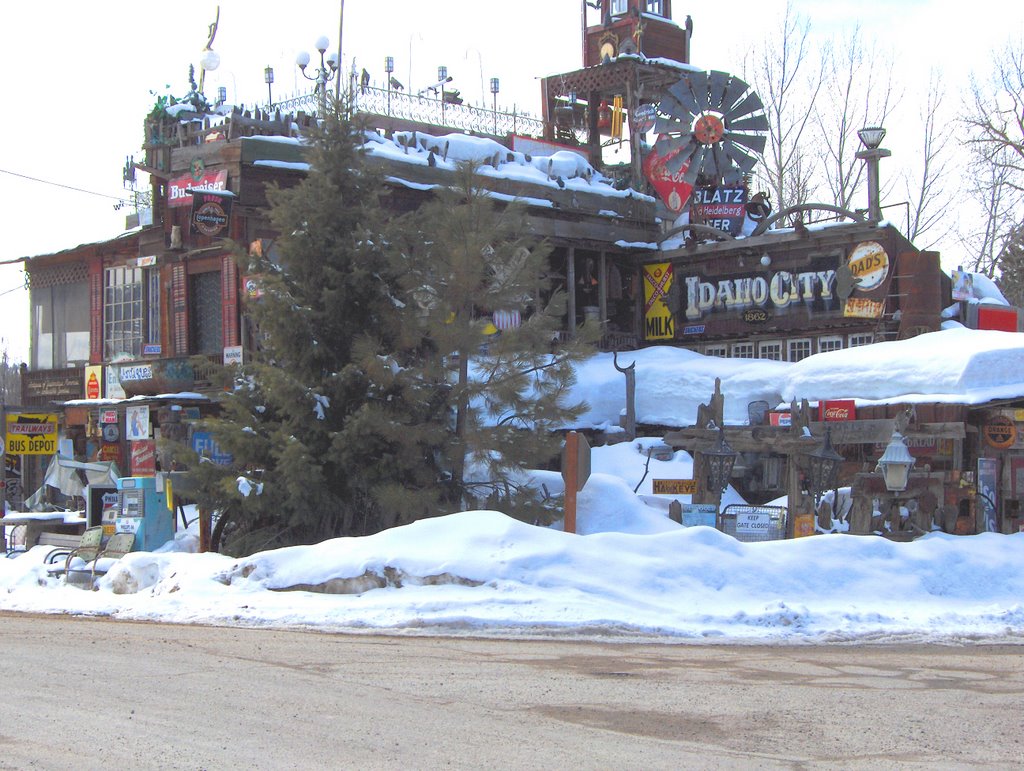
{"x": 210, "y": 218}
{"x": 869, "y": 265}
{"x": 644, "y": 117}
{"x": 111, "y": 433}
{"x": 1000, "y": 432}
{"x": 3, "y": 448}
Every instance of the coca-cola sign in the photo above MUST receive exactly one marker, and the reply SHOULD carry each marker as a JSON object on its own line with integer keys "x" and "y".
{"x": 669, "y": 185}
{"x": 837, "y": 410}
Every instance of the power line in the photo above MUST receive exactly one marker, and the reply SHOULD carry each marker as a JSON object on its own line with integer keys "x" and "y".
{"x": 15, "y": 289}
{"x": 66, "y": 187}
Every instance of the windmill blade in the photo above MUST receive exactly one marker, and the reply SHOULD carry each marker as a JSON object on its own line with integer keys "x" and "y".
{"x": 717, "y": 82}
{"x": 675, "y": 163}
{"x": 665, "y": 125}
{"x": 684, "y": 96}
{"x": 752, "y": 103}
{"x": 732, "y": 94}
{"x": 739, "y": 157}
{"x": 753, "y": 123}
{"x": 672, "y": 143}
{"x": 720, "y": 159}
{"x": 672, "y": 108}
{"x": 732, "y": 176}
{"x": 698, "y": 85}
{"x": 755, "y": 142}
{"x": 696, "y": 165}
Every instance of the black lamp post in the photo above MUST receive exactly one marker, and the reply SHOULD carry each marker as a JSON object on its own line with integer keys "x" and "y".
{"x": 389, "y": 68}
{"x": 324, "y": 73}
{"x": 268, "y": 78}
{"x": 719, "y": 462}
{"x": 824, "y": 467}
{"x": 494, "y": 102}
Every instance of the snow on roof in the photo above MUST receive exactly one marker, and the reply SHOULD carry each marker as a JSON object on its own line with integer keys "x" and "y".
{"x": 959, "y": 366}
{"x": 955, "y": 366}
{"x": 562, "y": 169}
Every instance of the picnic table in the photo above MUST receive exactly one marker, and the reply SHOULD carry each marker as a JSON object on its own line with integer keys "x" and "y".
{"x": 36, "y": 523}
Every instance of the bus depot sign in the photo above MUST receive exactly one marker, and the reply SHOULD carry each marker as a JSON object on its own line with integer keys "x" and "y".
{"x": 31, "y": 434}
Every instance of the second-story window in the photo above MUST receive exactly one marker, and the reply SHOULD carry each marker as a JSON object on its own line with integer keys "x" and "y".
{"x": 619, "y": 7}
{"x": 123, "y": 313}
{"x": 656, "y": 7}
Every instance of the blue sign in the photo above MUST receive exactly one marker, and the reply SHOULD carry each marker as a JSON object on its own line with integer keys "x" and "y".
{"x": 694, "y": 329}
{"x": 205, "y": 447}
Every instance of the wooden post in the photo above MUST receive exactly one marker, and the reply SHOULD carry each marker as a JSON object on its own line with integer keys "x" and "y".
{"x": 570, "y": 473}
{"x": 570, "y": 290}
{"x": 205, "y": 522}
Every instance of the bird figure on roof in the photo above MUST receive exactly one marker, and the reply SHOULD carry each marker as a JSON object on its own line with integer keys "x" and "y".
{"x": 396, "y": 84}
{"x": 364, "y": 80}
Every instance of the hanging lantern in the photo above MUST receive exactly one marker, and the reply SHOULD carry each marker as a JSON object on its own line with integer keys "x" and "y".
{"x": 824, "y": 467}
{"x": 719, "y": 462}
{"x": 604, "y": 116}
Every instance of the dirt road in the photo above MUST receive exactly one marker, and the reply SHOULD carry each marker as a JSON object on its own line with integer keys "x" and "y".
{"x": 88, "y": 693}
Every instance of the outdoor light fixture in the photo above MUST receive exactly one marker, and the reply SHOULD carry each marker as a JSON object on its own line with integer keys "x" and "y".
{"x": 872, "y": 137}
{"x": 222, "y": 94}
{"x": 389, "y": 64}
{"x": 268, "y": 78}
{"x": 325, "y": 72}
{"x": 895, "y": 464}
{"x": 442, "y": 74}
{"x": 209, "y": 59}
{"x": 719, "y": 463}
{"x": 494, "y": 101}
{"x": 824, "y": 466}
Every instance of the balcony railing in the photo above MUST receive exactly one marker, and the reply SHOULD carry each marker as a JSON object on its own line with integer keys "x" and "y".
{"x": 424, "y": 109}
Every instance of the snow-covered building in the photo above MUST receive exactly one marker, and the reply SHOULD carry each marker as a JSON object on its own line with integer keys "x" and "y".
{"x": 667, "y": 248}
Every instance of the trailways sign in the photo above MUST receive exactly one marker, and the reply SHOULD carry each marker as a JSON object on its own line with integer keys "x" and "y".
{"x": 31, "y": 434}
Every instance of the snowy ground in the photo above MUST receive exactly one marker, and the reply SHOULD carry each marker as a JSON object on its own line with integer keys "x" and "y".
{"x": 631, "y": 574}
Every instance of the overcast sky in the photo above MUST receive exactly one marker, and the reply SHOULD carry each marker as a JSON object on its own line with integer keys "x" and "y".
{"x": 80, "y": 76}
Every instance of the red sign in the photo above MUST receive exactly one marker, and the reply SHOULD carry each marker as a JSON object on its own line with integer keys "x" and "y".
{"x": 780, "y": 418}
{"x": 110, "y": 452}
{"x": 836, "y": 410}
{"x": 143, "y": 459}
{"x": 669, "y": 185}
{"x": 178, "y": 190}
{"x": 92, "y": 387}
{"x": 1002, "y": 319}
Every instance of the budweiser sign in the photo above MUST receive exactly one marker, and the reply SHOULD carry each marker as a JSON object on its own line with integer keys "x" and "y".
{"x": 837, "y": 410}
{"x": 179, "y": 190}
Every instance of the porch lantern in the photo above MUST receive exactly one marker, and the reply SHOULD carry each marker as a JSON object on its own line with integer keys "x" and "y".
{"x": 895, "y": 464}
{"x": 824, "y": 466}
{"x": 719, "y": 463}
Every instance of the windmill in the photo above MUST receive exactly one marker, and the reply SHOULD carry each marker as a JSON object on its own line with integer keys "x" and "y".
{"x": 712, "y": 128}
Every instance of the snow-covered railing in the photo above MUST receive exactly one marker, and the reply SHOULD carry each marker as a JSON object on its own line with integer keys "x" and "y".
{"x": 423, "y": 109}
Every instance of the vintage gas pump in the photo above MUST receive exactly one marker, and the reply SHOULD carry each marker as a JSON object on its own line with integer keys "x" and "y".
{"x": 143, "y": 511}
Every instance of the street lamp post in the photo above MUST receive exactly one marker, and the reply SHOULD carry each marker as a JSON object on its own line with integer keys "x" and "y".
{"x": 442, "y": 76}
{"x": 871, "y": 139}
{"x": 389, "y": 68}
{"x": 326, "y": 72}
{"x": 824, "y": 464}
{"x": 494, "y": 102}
{"x": 268, "y": 78}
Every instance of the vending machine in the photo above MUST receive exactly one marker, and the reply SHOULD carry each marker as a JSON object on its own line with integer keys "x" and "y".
{"x": 143, "y": 511}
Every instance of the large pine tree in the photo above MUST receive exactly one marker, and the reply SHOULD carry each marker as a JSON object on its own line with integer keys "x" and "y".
{"x": 379, "y": 372}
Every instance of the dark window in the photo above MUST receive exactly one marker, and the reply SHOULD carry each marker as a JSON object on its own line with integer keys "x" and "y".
{"x": 205, "y": 313}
